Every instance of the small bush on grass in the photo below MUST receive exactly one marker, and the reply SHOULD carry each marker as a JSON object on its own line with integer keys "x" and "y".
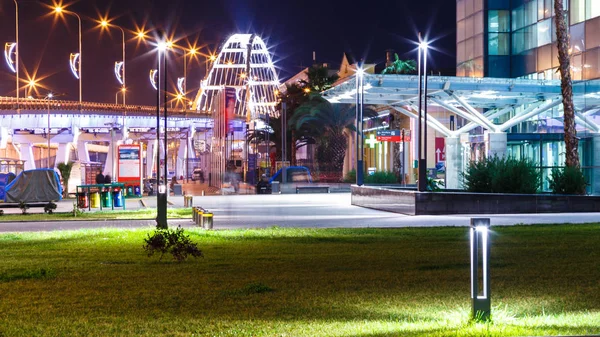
{"x": 171, "y": 241}
{"x": 385, "y": 177}
{"x": 502, "y": 175}
{"x": 49, "y": 207}
{"x": 568, "y": 180}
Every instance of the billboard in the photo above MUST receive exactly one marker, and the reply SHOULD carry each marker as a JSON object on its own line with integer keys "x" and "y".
{"x": 130, "y": 162}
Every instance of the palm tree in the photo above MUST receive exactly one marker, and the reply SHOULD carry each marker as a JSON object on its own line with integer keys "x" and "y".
{"x": 319, "y": 78}
{"x": 329, "y": 125}
{"x": 65, "y": 172}
{"x": 401, "y": 67}
{"x": 566, "y": 85}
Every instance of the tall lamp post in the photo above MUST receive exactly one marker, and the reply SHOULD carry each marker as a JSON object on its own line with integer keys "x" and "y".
{"x": 422, "y": 122}
{"x": 119, "y": 66}
{"x": 359, "y": 126}
{"x": 48, "y": 98}
{"x": 161, "y": 196}
{"x": 75, "y": 58}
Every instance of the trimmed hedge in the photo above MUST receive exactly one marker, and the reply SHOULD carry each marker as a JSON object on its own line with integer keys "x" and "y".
{"x": 502, "y": 175}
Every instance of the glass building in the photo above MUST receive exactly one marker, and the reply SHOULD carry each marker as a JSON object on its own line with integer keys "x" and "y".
{"x": 517, "y": 39}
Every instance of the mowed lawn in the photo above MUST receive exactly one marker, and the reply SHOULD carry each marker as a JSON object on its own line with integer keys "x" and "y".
{"x": 299, "y": 282}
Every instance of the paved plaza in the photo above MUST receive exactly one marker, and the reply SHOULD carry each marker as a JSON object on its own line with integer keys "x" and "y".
{"x": 326, "y": 210}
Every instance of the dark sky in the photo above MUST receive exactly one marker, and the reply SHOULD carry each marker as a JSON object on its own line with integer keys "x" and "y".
{"x": 292, "y": 30}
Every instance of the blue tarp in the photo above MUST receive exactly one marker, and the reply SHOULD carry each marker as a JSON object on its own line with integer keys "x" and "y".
{"x": 40, "y": 185}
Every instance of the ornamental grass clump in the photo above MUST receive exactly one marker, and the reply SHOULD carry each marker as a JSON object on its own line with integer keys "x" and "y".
{"x": 171, "y": 241}
{"x": 502, "y": 175}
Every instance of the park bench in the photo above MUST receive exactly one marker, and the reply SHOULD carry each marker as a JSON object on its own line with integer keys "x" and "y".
{"x": 312, "y": 189}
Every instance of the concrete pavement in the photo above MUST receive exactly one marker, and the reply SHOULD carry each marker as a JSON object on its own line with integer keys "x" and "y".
{"x": 326, "y": 210}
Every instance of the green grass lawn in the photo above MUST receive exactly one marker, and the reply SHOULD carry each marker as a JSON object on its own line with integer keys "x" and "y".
{"x": 299, "y": 282}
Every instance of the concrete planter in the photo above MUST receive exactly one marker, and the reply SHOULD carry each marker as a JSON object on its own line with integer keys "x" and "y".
{"x": 411, "y": 202}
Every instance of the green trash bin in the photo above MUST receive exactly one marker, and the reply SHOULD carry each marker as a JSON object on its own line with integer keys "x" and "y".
{"x": 106, "y": 198}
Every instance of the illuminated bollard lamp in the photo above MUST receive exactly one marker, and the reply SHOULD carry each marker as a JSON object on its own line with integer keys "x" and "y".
{"x": 480, "y": 268}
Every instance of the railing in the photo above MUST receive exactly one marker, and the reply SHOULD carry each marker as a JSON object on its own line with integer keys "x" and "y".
{"x": 10, "y": 104}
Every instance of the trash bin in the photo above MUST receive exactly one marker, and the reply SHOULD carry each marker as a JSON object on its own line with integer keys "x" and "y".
{"x": 137, "y": 190}
{"x": 106, "y": 199}
{"x": 95, "y": 200}
{"x": 275, "y": 187}
{"x": 82, "y": 200}
{"x": 129, "y": 190}
{"x": 117, "y": 197}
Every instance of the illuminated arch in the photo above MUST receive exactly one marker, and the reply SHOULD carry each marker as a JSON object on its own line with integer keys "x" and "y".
{"x": 254, "y": 78}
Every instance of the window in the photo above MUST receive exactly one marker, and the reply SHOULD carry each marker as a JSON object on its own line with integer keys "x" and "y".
{"x": 592, "y": 9}
{"x": 577, "y": 37}
{"x": 544, "y": 32}
{"x": 498, "y": 21}
{"x": 592, "y": 38}
{"x": 577, "y": 11}
{"x": 545, "y": 58}
{"x": 524, "y": 15}
{"x": 591, "y": 60}
{"x": 498, "y": 44}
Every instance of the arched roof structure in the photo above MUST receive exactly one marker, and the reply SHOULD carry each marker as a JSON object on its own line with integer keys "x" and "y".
{"x": 243, "y": 63}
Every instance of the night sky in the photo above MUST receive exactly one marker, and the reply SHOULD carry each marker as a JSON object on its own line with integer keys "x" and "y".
{"x": 291, "y": 29}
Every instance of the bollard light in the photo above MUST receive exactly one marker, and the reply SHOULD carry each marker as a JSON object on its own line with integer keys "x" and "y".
{"x": 480, "y": 268}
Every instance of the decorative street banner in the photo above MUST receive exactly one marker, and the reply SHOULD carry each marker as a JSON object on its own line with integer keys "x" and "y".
{"x": 389, "y": 136}
{"x": 440, "y": 149}
{"x": 130, "y": 164}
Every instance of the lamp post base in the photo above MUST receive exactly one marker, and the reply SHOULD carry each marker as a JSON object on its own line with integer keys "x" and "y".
{"x": 161, "y": 208}
{"x": 422, "y": 170}
{"x": 359, "y": 173}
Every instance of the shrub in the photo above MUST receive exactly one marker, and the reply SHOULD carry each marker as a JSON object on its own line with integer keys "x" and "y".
{"x": 502, "y": 175}
{"x": 385, "y": 177}
{"x": 49, "y": 207}
{"x": 434, "y": 185}
{"x": 568, "y": 180}
{"x": 350, "y": 177}
{"x": 171, "y": 241}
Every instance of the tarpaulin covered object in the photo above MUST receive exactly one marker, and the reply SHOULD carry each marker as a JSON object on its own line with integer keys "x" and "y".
{"x": 40, "y": 185}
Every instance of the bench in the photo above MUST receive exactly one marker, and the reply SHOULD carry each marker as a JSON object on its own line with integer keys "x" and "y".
{"x": 312, "y": 189}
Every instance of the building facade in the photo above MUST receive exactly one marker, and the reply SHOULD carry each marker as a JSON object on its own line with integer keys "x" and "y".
{"x": 517, "y": 39}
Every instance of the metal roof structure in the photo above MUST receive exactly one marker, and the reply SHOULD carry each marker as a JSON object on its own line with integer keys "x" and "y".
{"x": 479, "y": 100}
{"x": 243, "y": 63}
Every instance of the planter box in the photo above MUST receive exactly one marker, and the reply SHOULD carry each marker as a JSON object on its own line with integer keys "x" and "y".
{"x": 411, "y": 202}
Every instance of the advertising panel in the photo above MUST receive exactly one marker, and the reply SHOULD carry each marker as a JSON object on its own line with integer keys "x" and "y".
{"x": 130, "y": 163}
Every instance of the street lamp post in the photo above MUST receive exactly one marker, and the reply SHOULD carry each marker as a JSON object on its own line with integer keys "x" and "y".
{"x": 122, "y": 80}
{"x": 48, "y": 98}
{"x": 422, "y": 145}
{"x": 161, "y": 196}
{"x": 60, "y": 10}
{"x": 359, "y": 127}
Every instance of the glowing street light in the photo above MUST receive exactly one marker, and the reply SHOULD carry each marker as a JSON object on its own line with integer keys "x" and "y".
{"x": 119, "y": 66}
{"x": 480, "y": 247}
{"x": 75, "y": 58}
